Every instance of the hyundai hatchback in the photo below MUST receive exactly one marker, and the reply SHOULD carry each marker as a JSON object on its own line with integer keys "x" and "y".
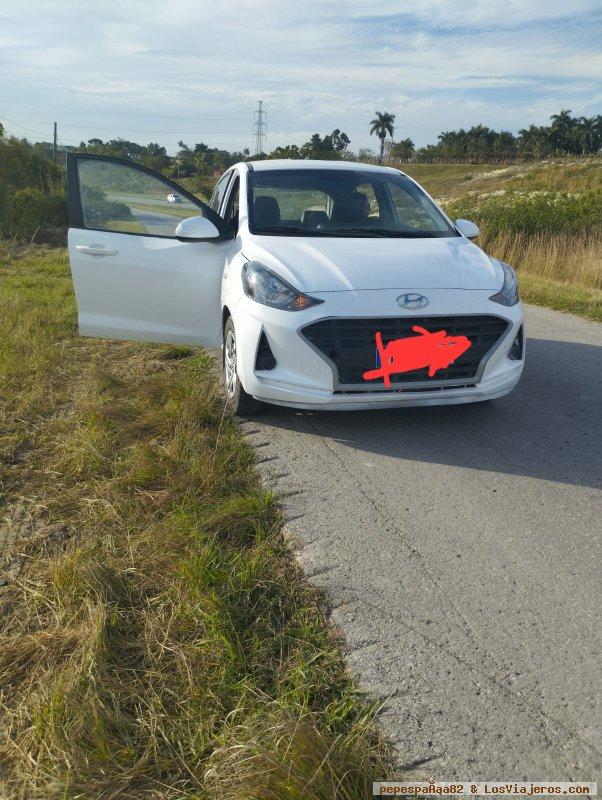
{"x": 329, "y": 285}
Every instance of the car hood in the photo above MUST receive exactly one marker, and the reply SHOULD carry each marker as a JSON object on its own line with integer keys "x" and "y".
{"x": 315, "y": 264}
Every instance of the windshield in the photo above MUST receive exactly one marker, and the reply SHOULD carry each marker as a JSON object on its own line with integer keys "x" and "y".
{"x": 337, "y": 202}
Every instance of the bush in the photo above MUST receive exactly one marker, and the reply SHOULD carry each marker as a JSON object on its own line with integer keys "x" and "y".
{"x": 27, "y": 211}
{"x": 2, "y": 206}
{"x": 21, "y": 166}
{"x": 201, "y": 185}
{"x": 99, "y": 210}
{"x": 531, "y": 212}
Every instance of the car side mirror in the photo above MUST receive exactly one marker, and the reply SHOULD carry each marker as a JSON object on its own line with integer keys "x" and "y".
{"x": 196, "y": 229}
{"x": 467, "y": 228}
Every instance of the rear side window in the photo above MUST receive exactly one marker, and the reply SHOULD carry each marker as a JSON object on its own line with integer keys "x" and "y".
{"x": 120, "y": 198}
{"x": 233, "y": 207}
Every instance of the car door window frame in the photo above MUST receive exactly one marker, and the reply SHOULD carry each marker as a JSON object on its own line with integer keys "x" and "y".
{"x": 227, "y": 177}
{"x": 233, "y": 186}
{"x": 75, "y": 203}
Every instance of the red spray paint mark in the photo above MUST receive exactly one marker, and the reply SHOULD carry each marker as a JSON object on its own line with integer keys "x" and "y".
{"x": 433, "y": 350}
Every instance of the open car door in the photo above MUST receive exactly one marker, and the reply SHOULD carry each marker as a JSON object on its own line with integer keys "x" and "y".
{"x": 133, "y": 277}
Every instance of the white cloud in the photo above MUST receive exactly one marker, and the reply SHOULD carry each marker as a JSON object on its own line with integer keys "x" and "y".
{"x": 146, "y": 63}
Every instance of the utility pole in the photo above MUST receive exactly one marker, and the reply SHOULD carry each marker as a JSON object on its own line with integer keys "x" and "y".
{"x": 54, "y": 146}
{"x": 259, "y": 128}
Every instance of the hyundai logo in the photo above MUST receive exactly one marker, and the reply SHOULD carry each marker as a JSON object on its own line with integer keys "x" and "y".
{"x": 412, "y": 301}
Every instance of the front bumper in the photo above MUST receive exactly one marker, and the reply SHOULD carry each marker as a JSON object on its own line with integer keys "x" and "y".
{"x": 303, "y": 378}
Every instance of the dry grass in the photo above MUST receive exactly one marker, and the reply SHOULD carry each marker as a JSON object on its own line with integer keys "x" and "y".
{"x": 572, "y": 259}
{"x": 158, "y": 641}
{"x": 560, "y": 271}
{"x": 453, "y": 180}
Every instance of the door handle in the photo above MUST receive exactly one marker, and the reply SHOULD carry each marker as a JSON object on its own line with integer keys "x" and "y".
{"x": 95, "y": 250}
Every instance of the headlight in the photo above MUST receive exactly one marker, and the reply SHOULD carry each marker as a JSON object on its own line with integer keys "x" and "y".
{"x": 508, "y": 294}
{"x": 264, "y": 286}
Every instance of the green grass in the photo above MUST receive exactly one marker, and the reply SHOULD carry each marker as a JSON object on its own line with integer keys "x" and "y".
{"x": 159, "y": 640}
{"x": 574, "y": 298}
{"x": 443, "y": 180}
{"x": 180, "y": 210}
{"x": 544, "y": 220}
{"x": 561, "y": 271}
{"x": 531, "y": 212}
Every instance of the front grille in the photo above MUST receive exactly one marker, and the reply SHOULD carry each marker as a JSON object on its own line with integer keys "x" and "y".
{"x": 350, "y": 344}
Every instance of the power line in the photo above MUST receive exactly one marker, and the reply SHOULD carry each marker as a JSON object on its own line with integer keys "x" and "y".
{"x": 12, "y": 122}
{"x": 64, "y": 140}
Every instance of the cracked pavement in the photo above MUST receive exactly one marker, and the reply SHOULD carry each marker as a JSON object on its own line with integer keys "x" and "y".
{"x": 459, "y": 548}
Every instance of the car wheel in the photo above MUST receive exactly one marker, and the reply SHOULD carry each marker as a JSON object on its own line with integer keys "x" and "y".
{"x": 241, "y": 403}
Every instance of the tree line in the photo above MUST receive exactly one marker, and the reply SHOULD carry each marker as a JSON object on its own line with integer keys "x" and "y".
{"x": 566, "y": 135}
{"x": 27, "y": 164}
{"x": 32, "y": 188}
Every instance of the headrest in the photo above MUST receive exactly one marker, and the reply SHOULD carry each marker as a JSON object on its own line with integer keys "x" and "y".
{"x": 266, "y": 212}
{"x": 349, "y": 207}
{"x": 314, "y": 218}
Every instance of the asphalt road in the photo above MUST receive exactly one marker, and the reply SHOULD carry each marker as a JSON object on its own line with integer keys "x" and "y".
{"x": 460, "y": 550}
{"x": 155, "y": 222}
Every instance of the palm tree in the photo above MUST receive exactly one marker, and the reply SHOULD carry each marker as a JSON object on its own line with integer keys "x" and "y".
{"x": 403, "y": 150}
{"x": 381, "y": 125}
{"x": 535, "y": 141}
{"x": 199, "y": 163}
{"x": 562, "y": 130}
{"x": 586, "y": 134}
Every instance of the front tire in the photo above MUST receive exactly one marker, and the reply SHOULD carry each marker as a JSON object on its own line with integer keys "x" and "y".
{"x": 241, "y": 403}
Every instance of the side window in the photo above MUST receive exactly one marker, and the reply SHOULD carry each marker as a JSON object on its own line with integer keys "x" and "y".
{"x": 409, "y": 210}
{"x": 219, "y": 191}
{"x": 124, "y": 199}
{"x": 231, "y": 215}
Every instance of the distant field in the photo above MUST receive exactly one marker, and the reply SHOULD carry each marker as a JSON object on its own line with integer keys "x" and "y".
{"x": 453, "y": 180}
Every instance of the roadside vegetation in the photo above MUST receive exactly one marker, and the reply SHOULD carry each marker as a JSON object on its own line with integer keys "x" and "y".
{"x": 158, "y": 640}
{"x": 533, "y": 212}
{"x": 560, "y": 271}
{"x": 553, "y": 239}
{"x": 543, "y": 218}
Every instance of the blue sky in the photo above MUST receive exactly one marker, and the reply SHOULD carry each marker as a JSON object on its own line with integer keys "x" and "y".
{"x": 194, "y": 70}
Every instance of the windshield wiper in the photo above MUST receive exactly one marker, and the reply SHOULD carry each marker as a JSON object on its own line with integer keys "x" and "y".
{"x": 293, "y": 230}
{"x": 385, "y": 232}
{"x": 288, "y": 231}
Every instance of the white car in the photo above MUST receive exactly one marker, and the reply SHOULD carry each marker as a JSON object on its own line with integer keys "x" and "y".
{"x": 173, "y": 198}
{"x": 330, "y": 285}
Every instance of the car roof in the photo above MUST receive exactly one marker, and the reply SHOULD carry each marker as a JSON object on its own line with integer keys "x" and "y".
{"x": 300, "y": 164}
